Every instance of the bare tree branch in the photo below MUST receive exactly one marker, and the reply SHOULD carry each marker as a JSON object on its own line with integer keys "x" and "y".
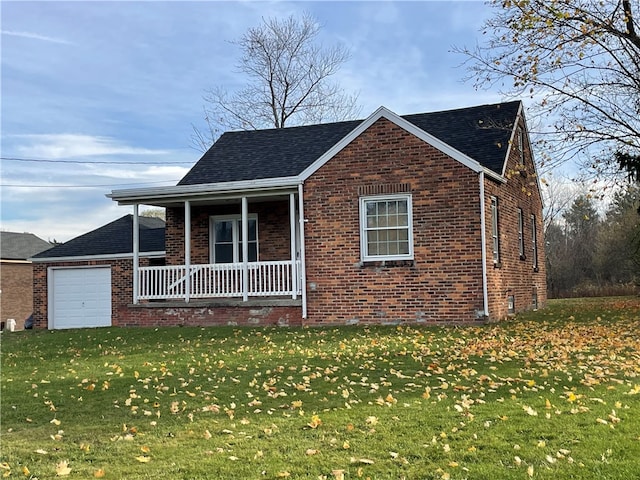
{"x": 288, "y": 82}
{"x": 578, "y": 61}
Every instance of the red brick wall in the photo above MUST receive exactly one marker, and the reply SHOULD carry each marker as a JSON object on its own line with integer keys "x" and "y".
{"x": 16, "y": 293}
{"x": 205, "y": 316}
{"x": 443, "y": 284}
{"x": 515, "y": 276}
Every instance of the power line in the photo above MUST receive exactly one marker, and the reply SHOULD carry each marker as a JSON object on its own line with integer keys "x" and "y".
{"x": 84, "y": 162}
{"x": 84, "y": 186}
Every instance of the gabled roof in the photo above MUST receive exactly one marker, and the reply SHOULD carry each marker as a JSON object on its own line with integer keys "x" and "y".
{"x": 481, "y": 133}
{"x": 21, "y": 246}
{"x": 112, "y": 239}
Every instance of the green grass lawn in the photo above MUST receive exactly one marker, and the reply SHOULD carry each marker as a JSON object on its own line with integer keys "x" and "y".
{"x": 553, "y": 394}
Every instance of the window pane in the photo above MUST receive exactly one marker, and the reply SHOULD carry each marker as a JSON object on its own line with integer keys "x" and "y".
{"x": 403, "y": 234}
{"x": 382, "y": 220}
{"x": 393, "y": 248}
{"x": 372, "y": 222}
{"x": 224, "y": 231}
{"x": 403, "y": 220}
{"x": 393, "y": 208}
{"x": 403, "y": 248}
{"x": 224, "y": 253}
{"x": 253, "y": 252}
{"x": 402, "y": 206}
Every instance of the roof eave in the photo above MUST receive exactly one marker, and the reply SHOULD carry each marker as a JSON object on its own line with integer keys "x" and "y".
{"x": 187, "y": 192}
{"x": 105, "y": 256}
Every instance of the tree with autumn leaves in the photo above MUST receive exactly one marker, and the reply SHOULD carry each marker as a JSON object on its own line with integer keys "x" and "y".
{"x": 579, "y": 61}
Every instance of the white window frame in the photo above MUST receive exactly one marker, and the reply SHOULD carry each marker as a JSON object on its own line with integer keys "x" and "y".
{"x": 235, "y": 232}
{"x": 495, "y": 232}
{"x": 521, "y": 233}
{"x": 364, "y": 253}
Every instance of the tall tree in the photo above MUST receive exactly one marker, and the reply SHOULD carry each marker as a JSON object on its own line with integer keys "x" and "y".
{"x": 288, "y": 82}
{"x": 579, "y": 60}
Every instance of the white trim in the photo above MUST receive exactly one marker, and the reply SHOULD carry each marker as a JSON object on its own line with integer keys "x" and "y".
{"x": 483, "y": 237}
{"x": 108, "y": 256}
{"x": 172, "y": 193}
{"x": 303, "y": 266}
{"x": 364, "y": 256}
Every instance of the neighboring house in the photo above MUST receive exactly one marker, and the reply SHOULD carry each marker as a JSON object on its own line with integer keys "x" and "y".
{"x": 16, "y": 275}
{"x": 429, "y": 218}
{"x": 85, "y": 281}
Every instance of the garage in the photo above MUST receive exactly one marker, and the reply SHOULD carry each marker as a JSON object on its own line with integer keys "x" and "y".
{"x": 79, "y": 297}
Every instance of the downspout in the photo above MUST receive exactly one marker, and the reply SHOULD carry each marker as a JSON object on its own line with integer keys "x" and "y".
{"x": 136, "y": 254}
{"x": 303, "y": 270}
{"x": 483, "y": 235}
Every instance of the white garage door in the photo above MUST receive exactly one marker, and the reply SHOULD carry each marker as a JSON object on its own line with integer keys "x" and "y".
{"x": 80, "y": 297}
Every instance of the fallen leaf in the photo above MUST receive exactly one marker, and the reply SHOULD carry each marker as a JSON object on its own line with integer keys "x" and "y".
{"x": 63, "y": 469}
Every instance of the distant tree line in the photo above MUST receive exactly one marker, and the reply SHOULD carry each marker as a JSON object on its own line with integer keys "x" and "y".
{"x": 592, "y": 253}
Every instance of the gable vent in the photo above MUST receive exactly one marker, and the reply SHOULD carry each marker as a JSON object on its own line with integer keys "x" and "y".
{"x": 364, "y": 190}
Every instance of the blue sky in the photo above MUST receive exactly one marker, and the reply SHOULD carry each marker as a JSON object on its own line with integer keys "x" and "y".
{"x": 87, "y": 84}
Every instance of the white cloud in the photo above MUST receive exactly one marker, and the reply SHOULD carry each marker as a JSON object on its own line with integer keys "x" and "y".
{"x": 54, "y": 146}
{"x": 36, "y": 36}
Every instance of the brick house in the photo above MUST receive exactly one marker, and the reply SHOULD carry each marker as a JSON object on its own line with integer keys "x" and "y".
{"x": 428, "y": 218}
{"x": 16, "y": 275}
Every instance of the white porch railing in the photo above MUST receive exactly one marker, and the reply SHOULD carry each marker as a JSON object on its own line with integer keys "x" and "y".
{"x": 220, "y": 280}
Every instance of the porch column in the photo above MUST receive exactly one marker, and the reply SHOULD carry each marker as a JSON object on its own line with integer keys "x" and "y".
{"x": 245, "y": 249}
{"x": 136, "y": 254}
{"x": 303, "y": 272}
{"x": 187, "y": 250}
{"x": 292, "y": 224}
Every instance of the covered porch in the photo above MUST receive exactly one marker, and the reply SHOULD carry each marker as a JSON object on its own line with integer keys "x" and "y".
{"x": 231, "y": 245}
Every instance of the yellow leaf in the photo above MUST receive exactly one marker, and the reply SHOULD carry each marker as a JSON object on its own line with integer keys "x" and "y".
{"x": 26, "y": 471}
{"x": 312, "y": 451}
{"x": 315, "y": 422}
{"x": 99, "y": 473}
{"x": 55, "y": 422}
{"x": 530, "y": 471}
{"x": 338, "y": 474}
{"x": 143, "y": 459}
{"x": 207, "y": 434}
{"x": 283, "y": 474}
{"x": 63, "y": 469}
{"x": 346, "y": 445}
{"x": 5, "y": 466}
{"x": 145, "y": 449}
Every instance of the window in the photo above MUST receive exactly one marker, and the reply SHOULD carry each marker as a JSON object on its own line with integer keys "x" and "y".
{"x": 226, "y": 239}
{"x": 386, "y": 230}
{"x": 521, "y": 234}
{"x": 534, "y": 242}
{"x": 494, "y": 231}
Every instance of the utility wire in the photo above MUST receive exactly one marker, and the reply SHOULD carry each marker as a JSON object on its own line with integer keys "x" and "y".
{"x": 84, "y": 162}
{"x": 85, "y": 186}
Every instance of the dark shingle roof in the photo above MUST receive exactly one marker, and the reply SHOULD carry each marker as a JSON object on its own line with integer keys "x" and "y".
{"x": 111, "y": 239}
{"x": 481, "y": 133}
{"x": 21, "y": 246}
